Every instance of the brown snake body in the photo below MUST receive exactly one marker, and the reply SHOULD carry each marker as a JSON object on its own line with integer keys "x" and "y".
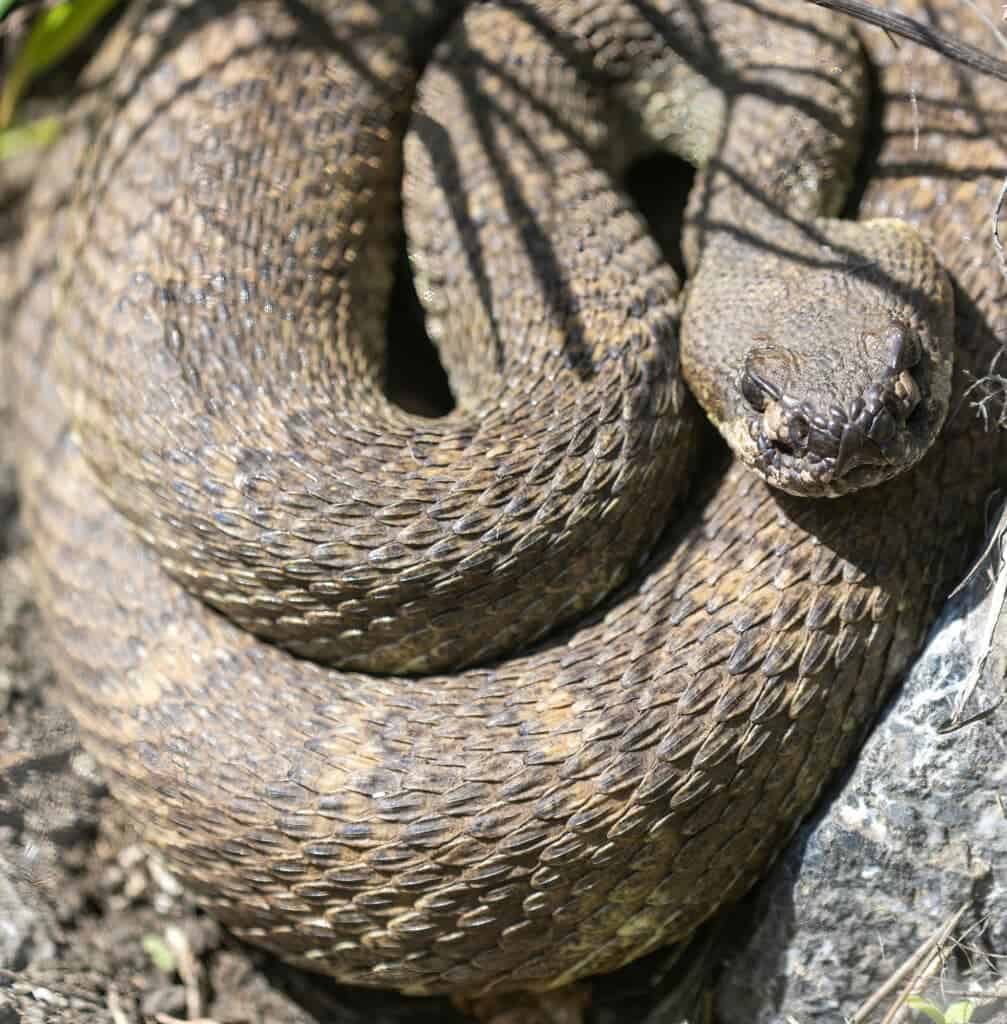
{"x": 538, "y": 817}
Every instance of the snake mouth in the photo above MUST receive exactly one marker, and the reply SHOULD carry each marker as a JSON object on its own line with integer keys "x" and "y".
{"x": 805, "y": 451}
{"x": 804, "y": 448}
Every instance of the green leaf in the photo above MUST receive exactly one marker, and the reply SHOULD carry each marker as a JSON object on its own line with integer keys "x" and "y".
{"x": 960, "y": 1013}
{"x": 24, "y": 138}
{"x": 53, "y": 35}
{"x": 927, "y": 1007}
{"x": 5, "y": 6}
{"x": 160, "y": 953}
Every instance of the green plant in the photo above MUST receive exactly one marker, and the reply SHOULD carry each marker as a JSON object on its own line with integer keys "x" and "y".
{"x": 54, "y": 33}
{"x": 957, "y": 1013}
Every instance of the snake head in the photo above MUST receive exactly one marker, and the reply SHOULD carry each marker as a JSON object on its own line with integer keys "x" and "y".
{"x": 833, "y": 375}
{"x": 820, "y": 445}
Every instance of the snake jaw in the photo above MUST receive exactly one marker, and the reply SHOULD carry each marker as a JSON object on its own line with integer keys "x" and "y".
{"x": 814, "y": 423}
{"x": 802, "y": 451}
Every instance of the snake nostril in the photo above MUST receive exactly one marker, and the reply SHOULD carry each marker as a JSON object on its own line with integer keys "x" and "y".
{"x": 799, "y": 432}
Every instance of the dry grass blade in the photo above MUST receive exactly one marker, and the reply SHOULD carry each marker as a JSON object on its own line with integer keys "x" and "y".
{"x": 914, "y": 968}
{"x": 926, "y": 35}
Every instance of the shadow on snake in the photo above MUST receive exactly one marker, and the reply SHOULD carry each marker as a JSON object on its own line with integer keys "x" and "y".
{"x": 787, "y": 553}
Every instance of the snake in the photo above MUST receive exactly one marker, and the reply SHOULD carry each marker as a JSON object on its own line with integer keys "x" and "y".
{"x": 493, "y": 701}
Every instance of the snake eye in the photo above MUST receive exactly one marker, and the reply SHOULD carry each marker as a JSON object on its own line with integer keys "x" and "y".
{"x": 753, "y": 394}
{"x": 799, "y": 432}
{"x": 755, "y": 388}
{"x": 903, "y": 347}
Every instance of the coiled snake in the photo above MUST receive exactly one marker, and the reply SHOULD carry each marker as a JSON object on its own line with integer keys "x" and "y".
{"x": 216, "y": 352}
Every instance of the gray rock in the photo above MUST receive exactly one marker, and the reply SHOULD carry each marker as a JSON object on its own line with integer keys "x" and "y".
{"x": 917, "y": 832}
{"x": 24, "y": 930}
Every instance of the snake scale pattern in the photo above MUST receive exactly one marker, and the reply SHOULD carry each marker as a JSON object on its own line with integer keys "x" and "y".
{"x": 513, "y": 820}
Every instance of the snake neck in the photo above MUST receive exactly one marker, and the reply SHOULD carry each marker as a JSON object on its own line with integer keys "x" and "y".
{"x": 820, "y": 348}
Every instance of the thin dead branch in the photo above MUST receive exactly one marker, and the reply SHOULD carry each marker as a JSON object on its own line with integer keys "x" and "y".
{"x": 925, "y": 35}
{"x": 913, "y": 968}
